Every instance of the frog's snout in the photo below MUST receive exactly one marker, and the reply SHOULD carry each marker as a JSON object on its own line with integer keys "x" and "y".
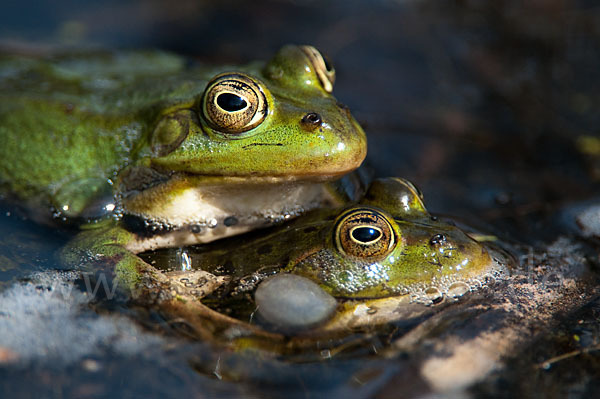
{"x": 311, "y": 121}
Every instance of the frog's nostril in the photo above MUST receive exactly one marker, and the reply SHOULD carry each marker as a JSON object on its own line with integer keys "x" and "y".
{"x": 344, "y": 109}
{"x": 437, "y": 239}
{"x": 342, "y": 106}
{"x": 311, "y": 120}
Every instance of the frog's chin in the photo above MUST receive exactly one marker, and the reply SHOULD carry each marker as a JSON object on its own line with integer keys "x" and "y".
{"x": 136, "y": 179}
{"x": 244, "y": 180}
{"x": 182, "y": 212}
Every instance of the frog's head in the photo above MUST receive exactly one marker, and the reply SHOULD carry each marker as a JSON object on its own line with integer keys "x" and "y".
{"x": 277, "y": 119}
{"x": 389, "y": 245}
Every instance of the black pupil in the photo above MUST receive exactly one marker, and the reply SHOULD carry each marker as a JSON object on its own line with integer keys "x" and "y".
{"x": 231, "y": 102}
{"x": 365, "y": 234}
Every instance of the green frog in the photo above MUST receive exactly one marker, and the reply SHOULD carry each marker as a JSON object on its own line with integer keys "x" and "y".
{"x": 379, "y": 260}
{"x": 147, "y": 150}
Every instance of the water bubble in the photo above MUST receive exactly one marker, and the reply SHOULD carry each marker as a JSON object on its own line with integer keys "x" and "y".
{"x": 489, "y": 279}
{"x": 185, "y": 261}
{"x": 230, "y": 221}
{"x": 475, "y": 284}
{"x": 347, "y": 276}
{"x": 293, "y": 302}
{"x": 458, "y": 289}
{"x": 91, "y": 365}
{"x": 434, "y": 294}
{"x": 546, "y": 365}
{"x": 202, "y": 281}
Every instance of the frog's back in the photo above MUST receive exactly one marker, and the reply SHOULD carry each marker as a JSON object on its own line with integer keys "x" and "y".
{"x": 76, "y": 118}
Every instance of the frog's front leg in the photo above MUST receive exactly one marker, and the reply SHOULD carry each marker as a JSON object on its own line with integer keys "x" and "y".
{"x": 103, "y": 248}
{"x": 108, "y": 251}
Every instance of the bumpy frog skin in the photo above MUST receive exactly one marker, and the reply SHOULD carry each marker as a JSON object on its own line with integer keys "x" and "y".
{"x": 186, "y": 154}
{"x": 385, "y": 251}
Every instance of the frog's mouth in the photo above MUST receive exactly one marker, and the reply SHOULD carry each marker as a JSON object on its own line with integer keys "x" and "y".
{"x": 140, "y": 178}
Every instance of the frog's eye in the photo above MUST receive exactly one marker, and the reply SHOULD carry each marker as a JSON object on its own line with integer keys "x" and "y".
{"x": 234, "y": 103}
{"x": 322, "y": 66}
{"x": 364, "y": 233}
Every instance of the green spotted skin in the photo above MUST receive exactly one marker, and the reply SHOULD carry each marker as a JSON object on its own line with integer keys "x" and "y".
{"x": 74, "y": 126}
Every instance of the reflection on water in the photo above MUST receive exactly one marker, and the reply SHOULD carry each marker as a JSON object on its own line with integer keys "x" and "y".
{"x": 25, "y": 247}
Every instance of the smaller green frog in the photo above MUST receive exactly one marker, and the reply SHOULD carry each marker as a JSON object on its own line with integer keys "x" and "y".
{"x": 334, "y": 269}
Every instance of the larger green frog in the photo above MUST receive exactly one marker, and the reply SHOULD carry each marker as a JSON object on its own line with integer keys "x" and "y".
{"x": 179, "y": 153}
{"x": 383, "y": 259}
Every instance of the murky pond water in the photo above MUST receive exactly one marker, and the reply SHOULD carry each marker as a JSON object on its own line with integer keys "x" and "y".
{"x": 490, "y": 109}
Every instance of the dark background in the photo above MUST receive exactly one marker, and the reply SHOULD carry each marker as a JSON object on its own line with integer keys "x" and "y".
{"x": 488, "y": 107}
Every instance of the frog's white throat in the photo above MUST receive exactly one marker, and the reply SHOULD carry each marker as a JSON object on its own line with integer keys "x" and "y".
{"x": 181, "y": 212}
